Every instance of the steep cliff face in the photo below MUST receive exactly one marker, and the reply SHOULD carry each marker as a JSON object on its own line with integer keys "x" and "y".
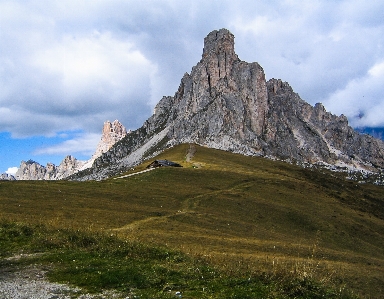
{"x": 111, "y": 133}
{"x": 30, "y": 170}
{"x": 222, "y": 96}
{"x": 296, "y": 130}
{"x": 227, "y": 103}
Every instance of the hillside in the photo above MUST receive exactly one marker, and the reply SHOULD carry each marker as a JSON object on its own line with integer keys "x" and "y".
{"x": 238, "y": 212}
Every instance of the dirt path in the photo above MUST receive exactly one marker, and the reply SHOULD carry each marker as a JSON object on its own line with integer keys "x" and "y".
{"x": 131, "y": 174}
{"x": 31, "y": 283}
{"x": 191, "y": 153}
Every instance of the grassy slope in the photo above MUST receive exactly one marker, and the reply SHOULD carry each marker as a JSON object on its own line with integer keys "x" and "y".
{"x": 239, "y": 212}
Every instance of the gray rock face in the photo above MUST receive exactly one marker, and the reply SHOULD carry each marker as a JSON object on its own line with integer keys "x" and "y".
{"x": 6, "y": 177}
{"x": 222, "y": 96}
{"x": 31, "y": 170}
{"x": 296, "y": 130}
{"x": 226, "y": 103}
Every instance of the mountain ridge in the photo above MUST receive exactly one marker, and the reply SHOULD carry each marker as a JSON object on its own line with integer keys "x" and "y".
{"x": 226, "y": 103}
{"x": 32, "y": 170}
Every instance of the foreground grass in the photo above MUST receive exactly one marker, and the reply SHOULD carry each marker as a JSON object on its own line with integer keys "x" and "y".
{"x": 97, "y": 262}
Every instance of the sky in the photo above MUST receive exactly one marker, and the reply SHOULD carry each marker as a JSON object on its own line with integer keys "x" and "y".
{"x": 68, "y": 66}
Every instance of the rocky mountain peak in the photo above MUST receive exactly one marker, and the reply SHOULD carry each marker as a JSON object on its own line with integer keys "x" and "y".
{"x": 31, "y": 170}
{"x": 112, "y": 132}
{"x": 7, "y": 177}
{"x": 226, "y": 103}
{"x": 218, "y": 59}
{"x": 219, "y": 42}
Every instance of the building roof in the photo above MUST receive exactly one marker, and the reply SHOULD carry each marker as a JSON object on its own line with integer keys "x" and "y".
{"x": 160, "y": 163}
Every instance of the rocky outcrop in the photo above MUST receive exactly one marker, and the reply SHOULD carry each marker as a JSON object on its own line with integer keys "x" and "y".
{"x": 296, "y": 130}
{"x": 226, "y": 103}
{"x": 31, "y": 170}
{"x": 111, "y": 133}
{"x": 6, "y": 177}
{"x": 67, "y": 167}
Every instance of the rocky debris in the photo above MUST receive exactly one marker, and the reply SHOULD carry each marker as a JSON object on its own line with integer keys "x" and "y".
{"x": 6, "y": 177}
{"x": 226, "y": 103}
{"x": 31, "y": 170}
{"x": 30, "y": 283}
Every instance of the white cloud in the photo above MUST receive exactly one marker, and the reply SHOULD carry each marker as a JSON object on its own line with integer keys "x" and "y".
{"x": 76, "y": 77}
{"x": 377, "y": 71}
{"x": 318, "y": 48}
{"x": 12, "y": 170}
{"x": 83, "y": 144}
{"x": 362, "y": 99}
{"x": 98, "y": 61}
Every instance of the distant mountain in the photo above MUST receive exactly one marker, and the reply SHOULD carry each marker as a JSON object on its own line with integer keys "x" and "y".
{"x": 31, "y": 170}
{"x": 227, "y": 104}
{"x": 6, "y": 177}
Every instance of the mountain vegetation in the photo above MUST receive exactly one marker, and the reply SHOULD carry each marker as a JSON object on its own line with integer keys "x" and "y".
{"x": 223, "y": 226}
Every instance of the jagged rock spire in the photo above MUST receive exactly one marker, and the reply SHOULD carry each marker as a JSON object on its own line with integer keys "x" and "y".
{"x": 112, "y": 132}
{"x": 218, "y": 42}
{"x": 219, "y": 55}
{"x": 31, "y": 170}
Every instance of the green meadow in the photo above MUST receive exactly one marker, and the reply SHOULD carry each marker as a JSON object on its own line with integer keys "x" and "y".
{"x": 222, "y": 226}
